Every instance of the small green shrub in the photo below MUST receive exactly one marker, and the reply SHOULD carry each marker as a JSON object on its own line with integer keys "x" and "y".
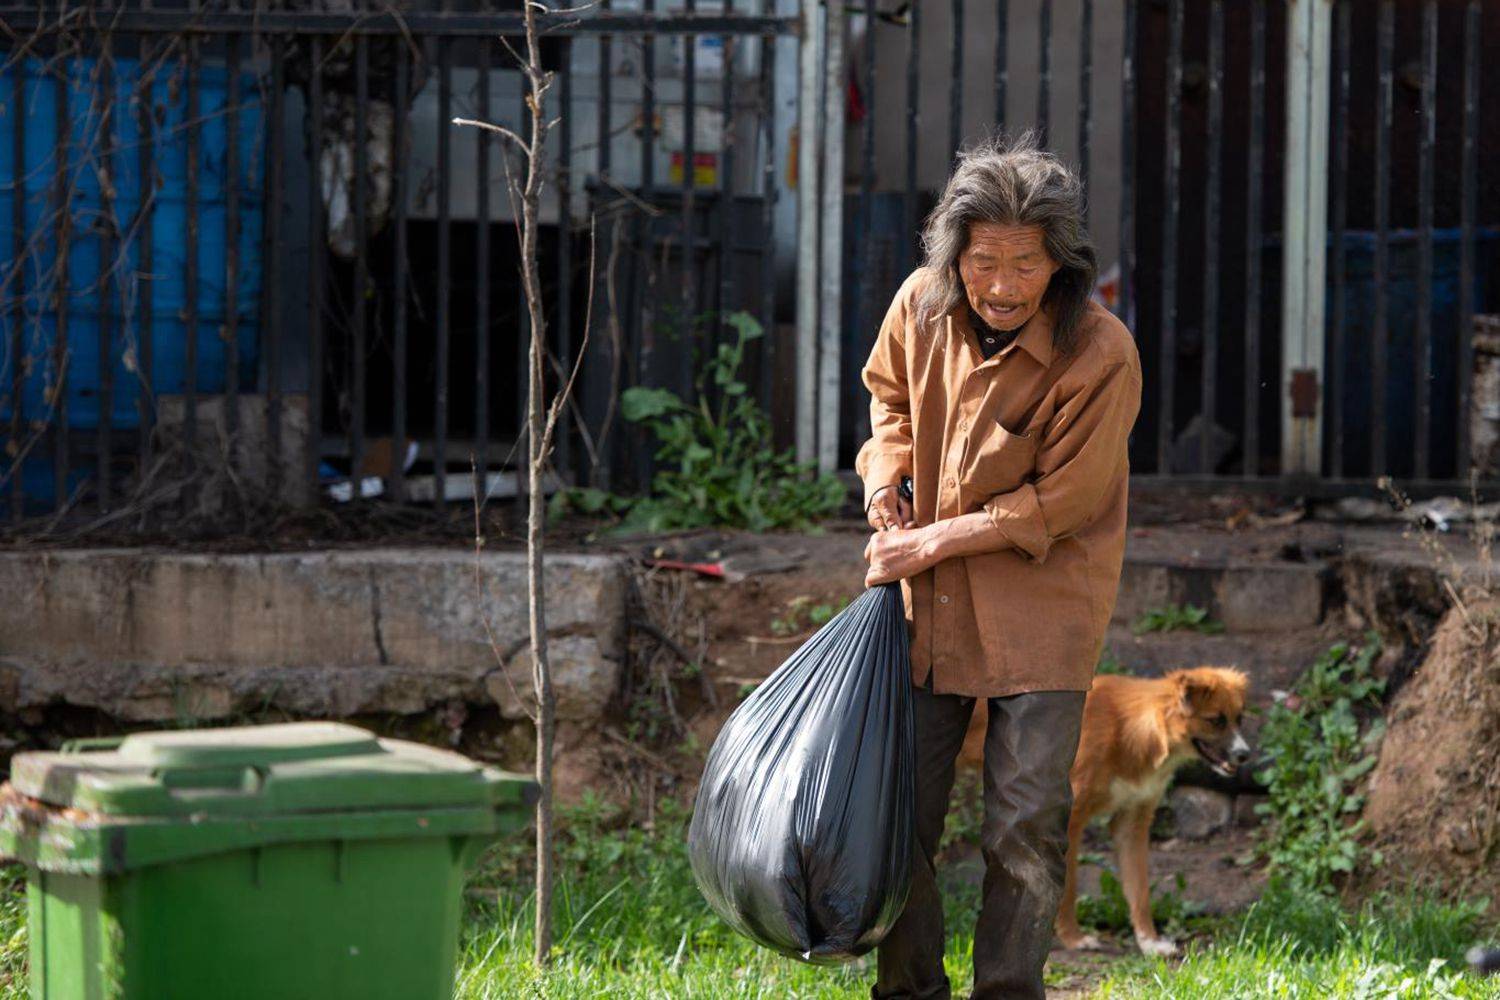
{"x": 1320, "y": 749}
{"x": 1109, "y": 663}
{"x": 1175, "y": 617}
{"x": 1109, "y": 910}
{"x": 802, "y": 614}
{"x": 719, "y": 467}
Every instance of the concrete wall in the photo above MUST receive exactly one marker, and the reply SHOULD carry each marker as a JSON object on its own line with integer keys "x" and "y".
{"x": 150, "y": 635}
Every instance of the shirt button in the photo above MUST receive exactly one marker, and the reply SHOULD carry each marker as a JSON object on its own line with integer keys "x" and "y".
{"x": 943, "y": 599}
{"x": 952, "y": 482}
{"x": 963, "y": 425}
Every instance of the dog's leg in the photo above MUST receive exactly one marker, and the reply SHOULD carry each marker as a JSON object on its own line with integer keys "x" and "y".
{"x": 1066, "y": 926}
{"x": 1132, "y": 833}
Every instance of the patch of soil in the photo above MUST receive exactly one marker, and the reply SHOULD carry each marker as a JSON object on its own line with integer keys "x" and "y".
{"x": 1434, "y": 797}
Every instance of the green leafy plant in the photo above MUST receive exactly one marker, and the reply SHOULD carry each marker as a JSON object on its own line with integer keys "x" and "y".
{"x": 1109, "y": 911}
{"x": 1320, "y": 748}
{"x": 1109, "y": 663}
{"x": 802, "y": 614}
{"x": 1175, "y": 617}
{"x": 719, "y": 467}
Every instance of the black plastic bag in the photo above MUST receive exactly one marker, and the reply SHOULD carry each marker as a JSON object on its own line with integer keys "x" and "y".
{"x": 802, "y": 835}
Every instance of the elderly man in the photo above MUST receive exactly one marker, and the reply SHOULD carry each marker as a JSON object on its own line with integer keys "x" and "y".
{"x": 1007, "y": 396}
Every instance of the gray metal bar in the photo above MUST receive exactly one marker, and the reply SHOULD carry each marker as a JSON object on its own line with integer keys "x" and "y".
{"x": 690, "y": 331}
{"x": 1468, "y": 210}
{"x": 482, "y": 325}
{"x": 359, "y": 348}
{"x": 830, "y": 276}
{"x": 192, "y": 114}
{"x": 445, "y": 273}
{"x": 232, "y": 238}
{"x": 1210, "y": 379}
{"x": 768, "y": 213}
{"x": 913, "y": 117}
{"x": 956, "y": 85}
{"x": 315, "y": 244}
{"x": 1044, "y": 72}
{"x": 1338, "y": 352}
{"x": 61, "y": 200}
{"x": 1126, "y": 304}
{"x": 1380, "y": 335}
{"x": 16, "y": 291}
{"x": 271, "y": 271}
{"x": 108, "y": 276}
{"x": 865, "y": 289}
{"x": 404, "y": 24}
{"x": 1002, "y": 59}
{"x": 1254, "y": 186}
{"x": 400, "y": 185}
{"x": 1425, "y": 173}
{"x": 564, "y": 439}
{"x": 1085, "y": 88}
{"x": 1171, "y": 168}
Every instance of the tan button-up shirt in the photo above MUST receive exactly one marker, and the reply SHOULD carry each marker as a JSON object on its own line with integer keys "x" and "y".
{"x": 1037, "y": 441}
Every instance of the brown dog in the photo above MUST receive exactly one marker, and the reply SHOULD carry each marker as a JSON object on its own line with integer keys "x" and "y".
{"x": 1136, "y": 733}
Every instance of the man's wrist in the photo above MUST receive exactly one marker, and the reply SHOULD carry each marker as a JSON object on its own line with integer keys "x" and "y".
{"x": 930, "y": 543}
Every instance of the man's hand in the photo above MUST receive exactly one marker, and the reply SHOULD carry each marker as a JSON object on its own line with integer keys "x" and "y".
{"x": 889, "y": 509}
{"x": 898, "y": 554}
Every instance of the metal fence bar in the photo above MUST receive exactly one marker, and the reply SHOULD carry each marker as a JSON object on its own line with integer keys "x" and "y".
{"x": 400, "y": 184}
{"x": 445, "y": 274}
{"x": 831, "y": 210}
{"x": 689, "y": 327}
{"x": 1173, "y": 161}
{"x": 564, "y": 439}
{"x": 358, "y": 353}
{"x": 1085, "y": 87}
{"x": 1126, "y": 303}
{"x": 232, "y": 239}
{"x": 1002, "y": 25}
{"x": 15, "y": 288}
{"x": 404, "y": 24}
{"x": 1468, "y": 209}
{"x": 726, "y": 179}
{"x": 1338, "y": 354}
{"x": 1425, "y": 172}
{"x": 192, "y": 114}
{"x": 956, "y": 85}
{"x": 646, "y": 342}
{"x": 913, "y": 116}
{"x": 270, "y": 269}
{"x": 62, "y": 205}
{"x": 1380, "y": 335}
{"x": 314, "y": 264}
{"x": 146, "y": 324}
{"x": 1210, "y": 381}
{"x": 1044, "y": 72}
{"x": 107, "y": 275}
{"x": 1253, "y": 187}
{"x": 768, "y": 212}
{"x": 482, "y": 325}
{"x": 865, "y": 289}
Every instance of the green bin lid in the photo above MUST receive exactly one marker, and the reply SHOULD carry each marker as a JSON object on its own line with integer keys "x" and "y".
{"x": 113, "y": 804}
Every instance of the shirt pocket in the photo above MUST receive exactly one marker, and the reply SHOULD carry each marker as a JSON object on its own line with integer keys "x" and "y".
{"x": 998, "y": 460}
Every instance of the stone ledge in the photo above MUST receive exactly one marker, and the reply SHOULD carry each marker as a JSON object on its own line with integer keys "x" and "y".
{"x": 138, "y": 633}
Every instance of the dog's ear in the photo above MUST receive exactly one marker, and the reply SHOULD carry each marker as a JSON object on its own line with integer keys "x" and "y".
{"x": 1195, "y": 691}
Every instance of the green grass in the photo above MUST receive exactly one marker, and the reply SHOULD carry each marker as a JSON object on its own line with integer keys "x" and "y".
{"x": 630, "y": 924}
{"x": 1174, "y": 618}
{"x": 1295, "y": 945}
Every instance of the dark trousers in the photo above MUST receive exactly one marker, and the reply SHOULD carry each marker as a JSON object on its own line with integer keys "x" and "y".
{"x": 1028, "y": 752}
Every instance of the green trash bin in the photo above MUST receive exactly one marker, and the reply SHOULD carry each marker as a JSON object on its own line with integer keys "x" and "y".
{"x": 307, "y": 860}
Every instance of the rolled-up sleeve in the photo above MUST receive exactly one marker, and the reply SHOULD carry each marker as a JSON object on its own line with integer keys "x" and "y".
{"x": 1082, "y": 455}
{"x": 886, "y": 457}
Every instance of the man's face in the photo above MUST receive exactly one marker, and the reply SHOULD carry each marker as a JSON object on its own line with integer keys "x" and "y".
{"x": 1005, "y": 271}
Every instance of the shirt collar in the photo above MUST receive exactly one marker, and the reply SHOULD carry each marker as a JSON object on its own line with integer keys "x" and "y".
{"x": 1035, "y": 337}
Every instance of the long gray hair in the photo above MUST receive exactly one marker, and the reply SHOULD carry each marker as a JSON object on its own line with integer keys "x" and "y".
{"x": 1012, "y": 183}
